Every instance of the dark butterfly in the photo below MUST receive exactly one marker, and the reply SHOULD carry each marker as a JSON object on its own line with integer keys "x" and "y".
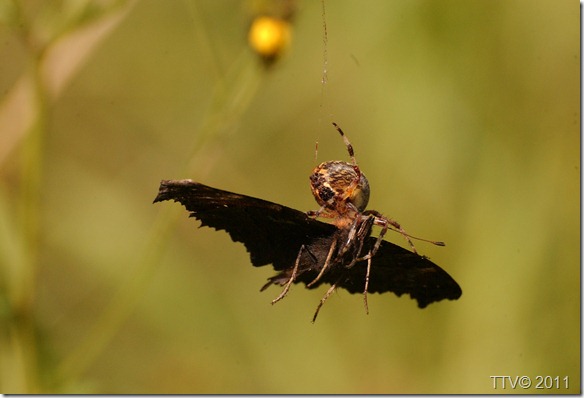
{"x": 342, "y": 254}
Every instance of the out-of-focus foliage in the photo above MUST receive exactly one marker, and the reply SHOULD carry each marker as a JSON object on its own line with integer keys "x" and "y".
{"x": 464, "y": 115}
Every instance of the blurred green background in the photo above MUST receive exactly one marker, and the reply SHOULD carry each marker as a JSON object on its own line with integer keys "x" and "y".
{"x": 464, "y": 115}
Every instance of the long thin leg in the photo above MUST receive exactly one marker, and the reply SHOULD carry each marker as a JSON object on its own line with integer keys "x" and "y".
{"x": 386, "y": 222}
{"x": 315, "y": 152}
{"x": 292, "y": 277}
{"x": 367, "y": 285}
{"x": 326, "y": 263}
{"x": 319, "y": 213}
{"x": 355, "y": 183}
{"x": 323, "y": 299}
{"x": 396, "y": 225}
{"x": 373, "y": 251}
{"x": 348, "y": 144}
{"x": 351, "y": 235}
{"x": 357, "y": 230}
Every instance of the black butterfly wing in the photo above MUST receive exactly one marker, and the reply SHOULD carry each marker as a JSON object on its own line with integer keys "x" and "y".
{"x": 274, "y": 234}
{"x": 271, "y": 233}
{"x": 395, "y": 269}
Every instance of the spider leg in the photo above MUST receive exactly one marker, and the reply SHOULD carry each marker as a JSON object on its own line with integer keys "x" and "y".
{"x": 384, "y": 228}
{"x": 363, "y": 233}
{"x": 385, "y": 222}
{"x": 367, "y": 284}
{"x": 349, "y": 191}
{"x": 315, "y": 152}
{"x": 324, "y": 298}
{"x": 348, "y": 144}
{"x": 319, "y": 213}
{"x": 396, "y": 225}
{"x": 292, "y": 277}
{"x": 350, "y": 236}
{"x": 358, "y": 250}
{"x": 326, "y": 263}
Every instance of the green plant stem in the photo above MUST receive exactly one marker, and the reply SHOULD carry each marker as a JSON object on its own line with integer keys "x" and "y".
{"x": 22, "y": 287}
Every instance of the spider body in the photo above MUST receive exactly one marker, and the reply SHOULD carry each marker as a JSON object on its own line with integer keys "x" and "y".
{"x": 338, "y": 188}
{"x": 343, "y": 254}
{"x": 343, "y": 191}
